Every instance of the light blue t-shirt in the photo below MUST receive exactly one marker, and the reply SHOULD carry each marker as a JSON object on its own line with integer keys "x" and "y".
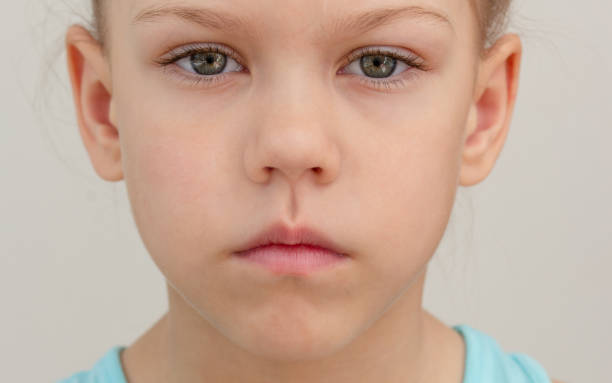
{"x": 485, "y": 362}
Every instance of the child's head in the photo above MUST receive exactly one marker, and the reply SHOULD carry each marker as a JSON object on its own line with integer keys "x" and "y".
{"x": 356, "y": 118}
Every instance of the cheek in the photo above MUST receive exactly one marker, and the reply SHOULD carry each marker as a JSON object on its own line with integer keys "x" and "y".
{"x": 173, "y": 159}
{"x": 174, "y": 185}
{"x": 410, "y": 173}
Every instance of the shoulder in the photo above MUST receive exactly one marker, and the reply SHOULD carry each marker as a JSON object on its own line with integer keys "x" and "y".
{"x": 80, "y": 377}
{"x": 107, "y": 369}
{"x": 486, "y": 361}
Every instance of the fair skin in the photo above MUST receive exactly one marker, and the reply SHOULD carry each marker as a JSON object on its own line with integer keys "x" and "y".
{"x": 291, "y": 139}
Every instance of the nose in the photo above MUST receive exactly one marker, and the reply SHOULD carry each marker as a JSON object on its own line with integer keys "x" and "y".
{"x": 293, "y": 135}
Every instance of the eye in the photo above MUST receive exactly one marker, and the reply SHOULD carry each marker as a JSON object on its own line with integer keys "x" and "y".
{"x": 378, "y": 67}
{"x": 203, "y": 62}
{"x": 208, "y": 63}
{"x": 375, "y": 65}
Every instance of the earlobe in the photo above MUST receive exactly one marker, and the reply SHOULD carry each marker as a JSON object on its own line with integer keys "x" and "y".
{"x": 92, "y": 94}
{"x": 491, "y": 112}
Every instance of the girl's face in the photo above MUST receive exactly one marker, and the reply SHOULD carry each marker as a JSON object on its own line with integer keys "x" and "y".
{"x": 291, "y": 131}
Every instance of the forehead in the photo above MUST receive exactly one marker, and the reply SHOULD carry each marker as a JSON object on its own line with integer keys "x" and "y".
{"x": 327, "y": 17}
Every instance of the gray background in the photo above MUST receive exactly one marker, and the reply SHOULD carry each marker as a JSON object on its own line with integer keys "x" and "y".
{"x": 527, "y": 256}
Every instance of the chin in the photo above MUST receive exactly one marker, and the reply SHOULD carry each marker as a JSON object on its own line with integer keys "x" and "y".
{"x": 306, "y": 341}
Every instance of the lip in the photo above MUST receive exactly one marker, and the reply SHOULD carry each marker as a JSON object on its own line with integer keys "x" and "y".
{"x": 285, "y": 250}
{"x": 281, "y": 234}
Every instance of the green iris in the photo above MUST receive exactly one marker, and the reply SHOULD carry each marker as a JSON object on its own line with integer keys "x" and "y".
{"x": 378, "y": 66}
{"x": 208, "y": 63}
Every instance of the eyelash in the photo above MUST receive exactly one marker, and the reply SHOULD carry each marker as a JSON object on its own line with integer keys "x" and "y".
{"x": 414, "y": 63}
{"x": 411, "y": 60}
{"x": 189, "y": 50}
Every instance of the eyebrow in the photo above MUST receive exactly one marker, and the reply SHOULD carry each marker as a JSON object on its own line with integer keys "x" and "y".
{"x": 358, "y": 22}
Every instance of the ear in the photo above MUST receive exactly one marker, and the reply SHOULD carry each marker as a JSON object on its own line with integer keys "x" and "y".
{"x": 491, "y": 112}
{"x": 92, "y": 92}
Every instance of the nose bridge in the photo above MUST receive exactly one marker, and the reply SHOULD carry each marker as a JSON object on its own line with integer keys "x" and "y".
{"x": 293, "y": 84}
{"x": 292, "y": 93}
